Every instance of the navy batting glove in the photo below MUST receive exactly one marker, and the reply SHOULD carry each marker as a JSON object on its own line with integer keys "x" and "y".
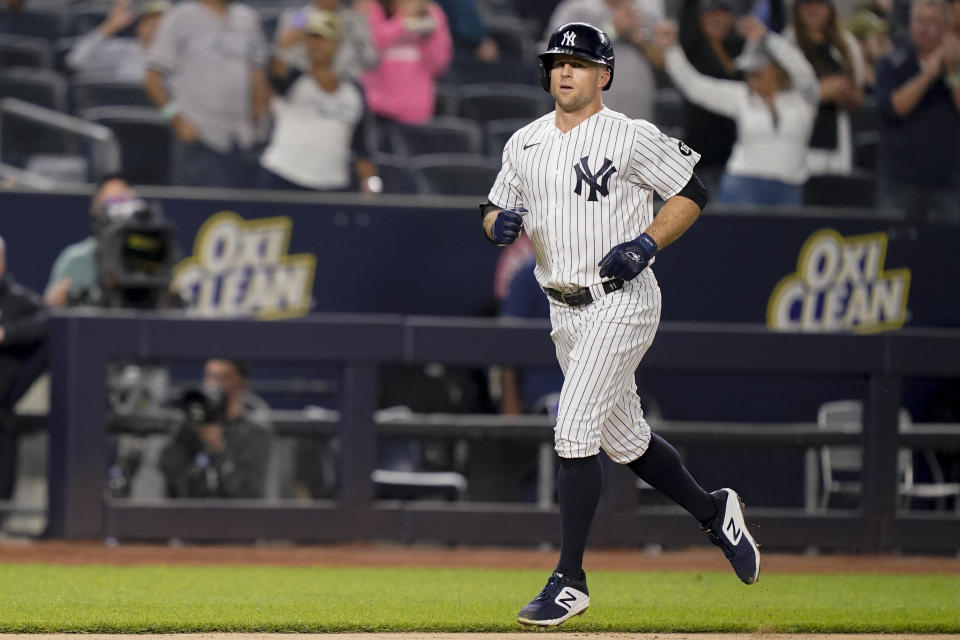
{"x": 627, "y": 260}
{"x": 507, "y": 226}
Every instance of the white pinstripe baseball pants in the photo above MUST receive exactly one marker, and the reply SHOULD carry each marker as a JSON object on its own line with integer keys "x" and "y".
{"x": 599, "y": 347}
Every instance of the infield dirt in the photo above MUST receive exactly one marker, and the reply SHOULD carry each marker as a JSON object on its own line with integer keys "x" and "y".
{"x": 554, "y": 635}
{"x": 376, "y": 555}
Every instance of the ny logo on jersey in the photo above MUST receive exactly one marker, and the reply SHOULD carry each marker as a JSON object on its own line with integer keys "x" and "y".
{"x": 597, "y": 181}
{"x": 568, "y": 39}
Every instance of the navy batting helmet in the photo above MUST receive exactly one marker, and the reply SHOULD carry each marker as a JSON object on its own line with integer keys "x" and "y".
{"x": 580, "y": 40}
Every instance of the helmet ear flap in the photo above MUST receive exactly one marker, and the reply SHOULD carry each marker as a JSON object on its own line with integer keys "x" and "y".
{"x": 545, "y": 75}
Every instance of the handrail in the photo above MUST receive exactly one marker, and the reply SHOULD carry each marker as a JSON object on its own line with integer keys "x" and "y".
{"x": 30, "y": 179}
{"x": 106, "y": 149}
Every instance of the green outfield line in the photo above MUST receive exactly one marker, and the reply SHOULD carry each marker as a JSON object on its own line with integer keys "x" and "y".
{"x": 160, "y": 599}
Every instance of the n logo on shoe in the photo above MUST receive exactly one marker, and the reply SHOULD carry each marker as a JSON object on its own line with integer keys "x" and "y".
{"x": 735, "y": 533}
{"x": 566, "y": 599}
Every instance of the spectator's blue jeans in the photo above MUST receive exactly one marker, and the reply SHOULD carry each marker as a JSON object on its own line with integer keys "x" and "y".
{"x": 197, "y": 165}
{"x": 267, "y": 179}
{"x": 922, "y": 203}
{"x": 763, "y": 191}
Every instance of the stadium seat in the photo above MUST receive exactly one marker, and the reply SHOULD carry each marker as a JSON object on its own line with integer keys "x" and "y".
{"x": 509, "y": 68}
{"x": 269, "y": 18}
{"x": 84, "y": 21}
{"x": 513, "y": 36}
{"x": 21, "y": 139}
{"x": 855, "y": 190}
{"x": 669, "y": 112}
{"x": 419, "y": 485}
{"x": 145, "y": 139}
{"x": 497, "y": 132}
{"x": 444, "y": 134}
{"x": 496, "y": 101}
{"x": 44, "y": 87}
{"x": 865, "y": 149}
{"x": 396, "y": 173}
{"x": 25, "y": 51}
{"x": 38, "y": 23}
{"x": 456, "y": 174}
{"x": 95, "y": 91}
{"x": 446, "y": 100}
{"x": 867, "y": 117}
{"x": 841, "y": 466}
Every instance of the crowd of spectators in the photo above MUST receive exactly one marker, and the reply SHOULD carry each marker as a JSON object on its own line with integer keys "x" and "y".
{"x": 249, "y": 90}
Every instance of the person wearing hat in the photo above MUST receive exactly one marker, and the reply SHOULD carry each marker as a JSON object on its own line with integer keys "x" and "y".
{"x": 710, "y": 41}
{"x": 774, "y": 109}
{"x": 318, "y": 120}
{"x": 356, "y": 52}
{"x": 873, "y": 34}
{"x": 106, "y": 53}
{"x": 838, "y": 62}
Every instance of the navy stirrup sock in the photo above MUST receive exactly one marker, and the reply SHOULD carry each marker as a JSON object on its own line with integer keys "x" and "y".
{"x": 660, "y": 467}
{"x": 579, "y": 482}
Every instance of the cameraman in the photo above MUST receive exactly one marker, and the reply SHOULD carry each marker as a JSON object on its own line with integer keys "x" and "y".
{"x": 74, "y": 279}
{"x": 211, "y": 456}
{"x": 127, "y": 262}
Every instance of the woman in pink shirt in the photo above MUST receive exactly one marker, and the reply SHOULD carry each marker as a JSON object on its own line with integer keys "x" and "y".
{"x": 415, "y": 47}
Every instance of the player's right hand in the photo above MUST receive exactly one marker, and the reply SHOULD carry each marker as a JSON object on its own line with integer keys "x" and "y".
{"x": 508, "y": 225}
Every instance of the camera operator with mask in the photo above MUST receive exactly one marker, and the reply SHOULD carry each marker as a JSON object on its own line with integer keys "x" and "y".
{"x": 127, "y": 261}
{"x": 211, "y": 456}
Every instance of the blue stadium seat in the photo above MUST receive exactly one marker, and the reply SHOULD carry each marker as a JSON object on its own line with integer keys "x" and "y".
{"x": 865, "y": 146}
{"x": 855, "y": 190}
{"x": 396, "y": 173}
{"x": 25, "y": 51}
{"x": 514, "y": 37}
{"x": 444, "y": 134}
{"x": 496, "y": 101}
{"x": 145, "y": 140}
{"x": 497, "y": 132}
{"x": 44, "y": 87}
{"x": 38, "y": 23}
{"x": 867, "y": 117}
{"x": 456, "y": 174}
{"x": 82, "y": 22}
{"x": 510, "y": 69}
{"x": 669, "y": 112}
{"x": 96, "y": 91}
{"x": 446, "y": 100}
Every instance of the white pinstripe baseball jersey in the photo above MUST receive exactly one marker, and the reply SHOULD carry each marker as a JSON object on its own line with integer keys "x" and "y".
{"x": 588, "y": 189}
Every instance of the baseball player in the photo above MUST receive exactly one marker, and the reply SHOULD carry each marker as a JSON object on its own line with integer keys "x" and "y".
{"x": 579, "y": 182}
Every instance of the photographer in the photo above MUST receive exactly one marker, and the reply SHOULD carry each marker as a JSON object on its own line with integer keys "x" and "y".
{"x": 126, "y": 262}
{"x": 212, "y": 456}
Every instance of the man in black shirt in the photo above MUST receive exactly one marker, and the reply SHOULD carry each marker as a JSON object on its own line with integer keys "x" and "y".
{"x": 23, "y": 328}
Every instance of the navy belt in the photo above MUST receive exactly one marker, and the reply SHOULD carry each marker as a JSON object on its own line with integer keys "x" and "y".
{"x": 582, "y": 297}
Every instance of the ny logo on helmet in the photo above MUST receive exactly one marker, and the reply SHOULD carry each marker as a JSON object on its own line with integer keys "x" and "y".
{"x": 596, "y": 181}
{"x": 568, "y": 39}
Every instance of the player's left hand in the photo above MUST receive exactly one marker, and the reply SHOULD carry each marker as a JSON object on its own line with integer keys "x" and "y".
{"x": 627, "y": 260}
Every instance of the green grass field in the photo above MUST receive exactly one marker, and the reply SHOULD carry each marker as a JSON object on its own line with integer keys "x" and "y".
{"x": 157, "y": 599}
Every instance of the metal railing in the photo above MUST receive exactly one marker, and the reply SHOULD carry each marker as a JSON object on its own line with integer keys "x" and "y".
{"x": 105, "y": 150}
{"x": 85, "y": 342}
